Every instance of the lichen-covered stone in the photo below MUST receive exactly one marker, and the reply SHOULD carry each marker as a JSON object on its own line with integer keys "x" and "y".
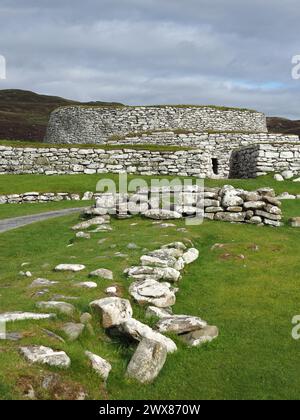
{"x": 114, "y": 310}
{"x": 46, "y": 356}
{"x": 147, "y": 361}
{"x": 137, "y": 330}
{"x": 153, "y": 292}
{"x": 100, "y": 365}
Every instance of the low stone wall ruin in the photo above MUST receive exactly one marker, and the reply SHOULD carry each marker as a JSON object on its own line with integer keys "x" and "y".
{"x": 227, "y": 204}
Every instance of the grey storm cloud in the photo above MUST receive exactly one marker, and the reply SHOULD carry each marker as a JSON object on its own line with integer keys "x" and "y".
{"x": 235, "y": 53}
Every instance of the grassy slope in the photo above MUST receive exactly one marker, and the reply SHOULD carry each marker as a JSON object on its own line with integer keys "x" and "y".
{"x": 10, "y": 184}
{"x": 251, "y": 300}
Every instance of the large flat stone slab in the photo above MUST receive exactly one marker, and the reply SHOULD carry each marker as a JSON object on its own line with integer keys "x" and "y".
{"x": 42, "y": 283}
{"x": 138, "y": 331}
{"x": 70, "y": 267}
{"x": 16, "y": 222}
{"x": 46, "y": 356}
{"x": 62, "y": 307}
{"x": 156, "y": 273}
{"x": 153, "y": 292}
{"x": 23, "y": 316}
{"x": 102, "y": 273}
{"x": 201, "y": 336}
{"x": 161, "y": 214}
{"x": 180, "y": 324}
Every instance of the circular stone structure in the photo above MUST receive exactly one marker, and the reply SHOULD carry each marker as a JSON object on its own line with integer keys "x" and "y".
{"x": 97, "y": 125}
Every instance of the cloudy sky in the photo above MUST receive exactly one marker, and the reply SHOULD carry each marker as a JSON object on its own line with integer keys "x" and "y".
{"x": 223, "y": 52}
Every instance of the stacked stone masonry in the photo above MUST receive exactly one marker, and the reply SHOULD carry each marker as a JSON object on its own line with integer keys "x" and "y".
{"x": 214, "y": 155}
{"x": 95, "y": 125}
{"x": 51, "y": 161}
{"x": 227, "y": 204}
{"x": 219, "y": 146}
{"x": 260, "y": 159}
{"x": 209, "y": 142}
{"x": 222, "y": 141}
{"x": 38, "y": 197}
{"x": 35, "y": 197}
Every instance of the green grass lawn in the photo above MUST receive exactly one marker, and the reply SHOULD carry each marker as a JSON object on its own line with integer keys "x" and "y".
{"x": 252, "y": 300}
{"x": 10, "y": 184}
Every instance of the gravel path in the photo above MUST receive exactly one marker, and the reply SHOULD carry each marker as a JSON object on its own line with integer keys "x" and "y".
{"x": 16, "y": 222}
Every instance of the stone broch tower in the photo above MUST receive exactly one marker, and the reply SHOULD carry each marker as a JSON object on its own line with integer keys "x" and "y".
{"x": 231, "y": 142}
{"x": 96, "y": 125}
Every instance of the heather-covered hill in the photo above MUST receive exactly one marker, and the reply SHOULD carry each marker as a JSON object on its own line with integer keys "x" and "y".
{"x": 24, "y": 115}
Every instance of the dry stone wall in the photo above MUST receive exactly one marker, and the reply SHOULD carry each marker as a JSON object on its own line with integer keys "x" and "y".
{"x": 219, "y": 145}
{"x": 227, "y": 204}
{"x": 205, "y": 139}
{"x": 95, "y": 125}
{"x": 58, "y": 161}
{"x": 35, "y": 197}
{"x": 219, "y": 155}
{"x": 261, "y": 159}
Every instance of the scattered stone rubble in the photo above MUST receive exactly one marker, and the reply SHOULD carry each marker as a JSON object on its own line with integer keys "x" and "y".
{"x": 154, "y": 284}
{"x": 161, "y": 296}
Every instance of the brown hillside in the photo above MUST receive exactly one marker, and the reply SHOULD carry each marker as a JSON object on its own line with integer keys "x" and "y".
{"x": 24, "y": 115}
{"x": 283, "y": 125}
